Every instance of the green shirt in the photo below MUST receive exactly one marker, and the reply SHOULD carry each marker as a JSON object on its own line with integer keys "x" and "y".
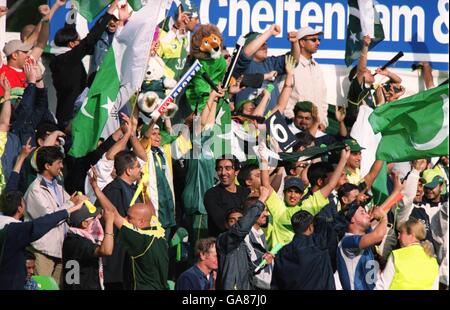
{"x": 281, "y": 230}
{"x": 149, "y": 256}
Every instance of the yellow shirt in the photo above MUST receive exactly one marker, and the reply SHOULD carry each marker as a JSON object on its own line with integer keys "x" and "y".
{"x": 354, "y": 177}
{"x": 279, "y": 229}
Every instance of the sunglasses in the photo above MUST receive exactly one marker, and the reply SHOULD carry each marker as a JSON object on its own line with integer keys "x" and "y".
{"x": 227, "y": 57}
{"x": 312, "y": 39}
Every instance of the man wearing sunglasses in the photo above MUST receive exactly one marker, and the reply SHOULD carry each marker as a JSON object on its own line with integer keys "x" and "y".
{"x": 309, "y": 82}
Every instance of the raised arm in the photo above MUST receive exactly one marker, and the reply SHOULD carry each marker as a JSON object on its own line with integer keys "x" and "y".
{"x": 208, "y": 116}
{"x": 104, "y": 201}
{"x": 5, "y": 115}
{"x": 327, "y": 189}
{"x": 295, "y": 45}
{"x": 106, "y": 248}
{"x": 377, "y": 235}
{"x": 259, "y": 110}
{"x": 362, "y": 64}
{"x": 283, "y": 99}
{"x": 340, "y": 117}
{"x": 119, "y": 145}
{"x": 138, "y": 149}
{"x": 373, "y": 173}
{"x": 14, "y": 179}
{"x": 255, "y": 45}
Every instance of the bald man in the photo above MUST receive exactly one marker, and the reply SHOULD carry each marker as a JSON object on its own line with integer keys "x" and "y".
{"x": 142, "y": 236}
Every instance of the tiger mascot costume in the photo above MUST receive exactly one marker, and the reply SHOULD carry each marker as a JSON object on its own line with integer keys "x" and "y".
{"x": 206, "y": 46}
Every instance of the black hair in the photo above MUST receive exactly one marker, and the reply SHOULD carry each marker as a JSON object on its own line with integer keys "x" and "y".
{"x": 233, "y": 210}
{"x": 124, "y": 160}
{"x": 244, "y": 173}
{"x": 345, "y": 189}
{"x": 318, "y": 171}
{"x": 65, "y": 35}
{"x": 30, "y": 255}
{"x": 304, "y": 138}
{"x": 10, "y": 202}
{"x": 234, "y": 161}
{"x": 43, "y": 128}
{"x": 299, "y": 108}
{"x": 47, "y": 155}
{"x": 300, "y": 221}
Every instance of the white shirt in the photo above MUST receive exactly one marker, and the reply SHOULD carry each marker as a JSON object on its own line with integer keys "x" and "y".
{"x": 295, "y": 130}
{"x": 5, "y": 220}
{"x": 309, "y": 86}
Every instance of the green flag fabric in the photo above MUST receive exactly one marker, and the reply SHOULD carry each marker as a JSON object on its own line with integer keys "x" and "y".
{"x": 90, "y": 9}
{"x": 363, "y": 20}
{"x": 122, "y": 68}
{"x": 414, "y": 127}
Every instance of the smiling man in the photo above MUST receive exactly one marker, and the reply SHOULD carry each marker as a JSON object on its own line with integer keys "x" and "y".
{"x": 45, "y": 196}
{"x": 224, "y": 196}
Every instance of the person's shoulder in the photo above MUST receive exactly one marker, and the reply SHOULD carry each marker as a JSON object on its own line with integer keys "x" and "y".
{"x": 243, "y": 190}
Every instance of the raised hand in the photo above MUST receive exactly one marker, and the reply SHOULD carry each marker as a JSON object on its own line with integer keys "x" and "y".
{"x": 4, "y": 83}
{"x": 398, "y": 185}
{"x": 30, "y": 73}
{"x": 290, "y": 64}
{"x": 113, "y": 7}
{"x": 44, "y": 10}
{"x": 340, "y": 114}
{"x": 367, "y": 40}
{"x": 292, "y": 36}
{"x": 275, "y": 29}
{"x": 345, "y": 153}
{"x": 27, "y": 149}
{"x": 420, "y": 164}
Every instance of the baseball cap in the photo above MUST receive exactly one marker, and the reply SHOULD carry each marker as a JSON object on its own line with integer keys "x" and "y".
{"x": 431, "y": 178}
{"x": 16, "y": 45}
{"x": 353, "y": 144}
{"x": 307, "y": 31}
{"x": 240, "y": 104}
{"x": 77, "y": 217}
{"x": 249, "y": 37}
{"x": 294, "y": 182}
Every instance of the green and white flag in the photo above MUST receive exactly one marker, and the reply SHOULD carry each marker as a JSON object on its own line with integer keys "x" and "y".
{"x": 414, "y": 127}
{"x": 120, "y": 74}
{"x": 223, "y": 135}
{"x": 363, "y": 20}
{"x": 90, "y": 9}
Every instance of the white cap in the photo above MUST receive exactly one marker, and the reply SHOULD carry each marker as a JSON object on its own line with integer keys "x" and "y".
{"x": 307, "y": 31}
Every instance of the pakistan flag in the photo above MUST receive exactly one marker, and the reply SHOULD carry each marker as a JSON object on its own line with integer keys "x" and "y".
{"x": 363, "y": 20}
{"x": 414, "y": 127}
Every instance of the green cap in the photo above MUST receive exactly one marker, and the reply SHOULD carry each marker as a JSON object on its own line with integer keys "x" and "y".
{"x": 431, "y": 178}
{"x": 250, "y": 37}
{"x": 353, "y": 144}
{"x": 239, "y": 105}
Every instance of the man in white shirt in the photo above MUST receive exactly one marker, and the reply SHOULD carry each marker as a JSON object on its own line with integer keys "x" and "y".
{"x": 309, "y": 82}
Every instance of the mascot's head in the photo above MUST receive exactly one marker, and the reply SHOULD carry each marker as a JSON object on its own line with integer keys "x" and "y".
{"x": 206, "y": 43}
